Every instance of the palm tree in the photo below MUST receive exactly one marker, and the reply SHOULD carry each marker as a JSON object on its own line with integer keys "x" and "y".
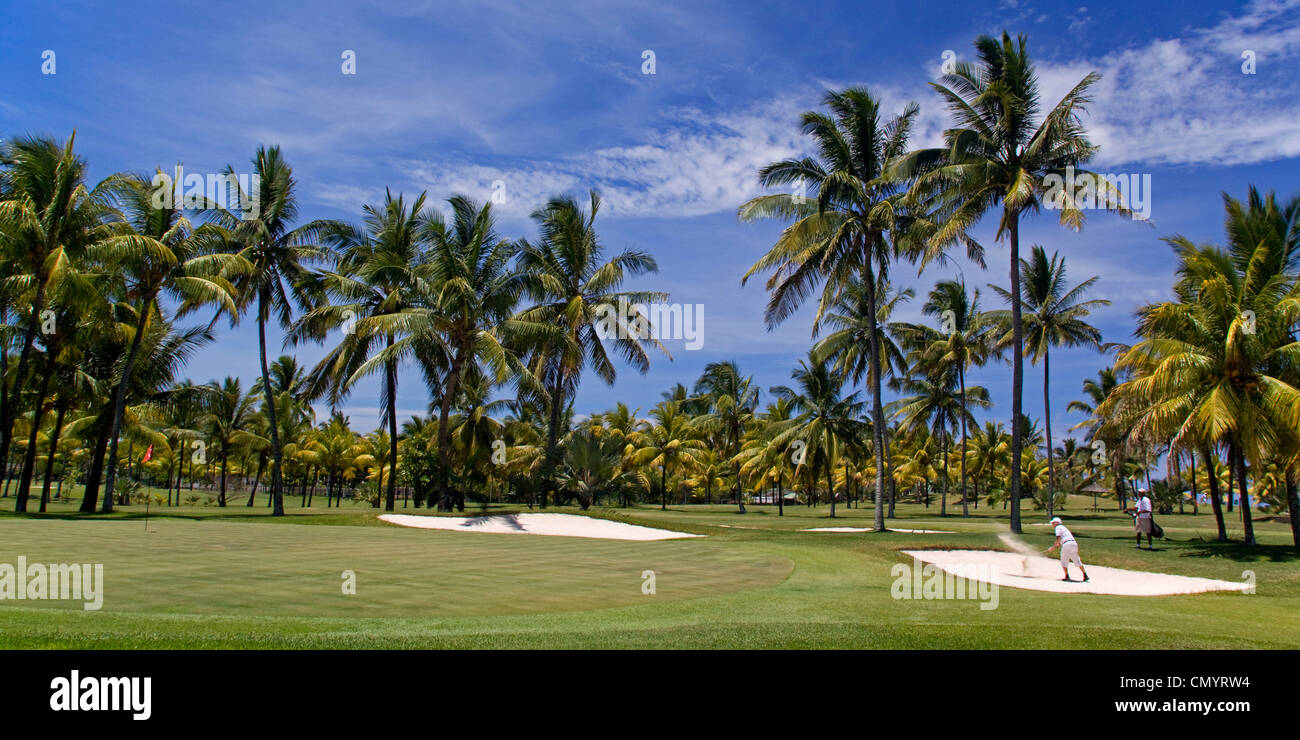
{"x": 1002, "y": 153}
{"x": 842, "y": 236}
{"x": 276, "y": 276}
{"x": 77, "y": 305}
{"x": 164, "y": 349}
{"x": 1055, "y": 319}
{"x": 915, "y": 462}
{"x": 940, "y": 404}
{"x": 474, "y": 430}
{"x": 339, "y": 448}
{"x": 850, "y": 332}
{"x": 1108, "y": 435}
{"x": 381, "y": 271}
{"x": 578, "y": 293}
{"x": 828, "y": 422}
{"x": 965, "y": 341}
{"x": 460, "y": 328}
{"x": 73, "y": 387}
{"x": 295, "y": 415}
{"x": 158, "y": 252}
{"x": 761, "y": 460}
{"x": 48, "y": 219}
{"x": 592, "y": 465}
{"x": 182, "y": 426}
{"x": 990, "y": 452}
{"x": 229, "y": 417}
{"x": 668, "y": 444}
{"x": 731, "y": 400}
{"x": 1216, "y": 367}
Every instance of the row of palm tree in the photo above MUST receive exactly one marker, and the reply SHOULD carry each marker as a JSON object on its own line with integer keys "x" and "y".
{"x": 112, "y": 268}
{"x": 1215, "y": 373}
{"x": 94, "y": 280}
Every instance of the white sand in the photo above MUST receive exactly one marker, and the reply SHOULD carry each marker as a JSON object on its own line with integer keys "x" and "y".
{"x": 1039, "y": 573}
{"x": 871, "y": 529}
{"x": 559, "y": 525}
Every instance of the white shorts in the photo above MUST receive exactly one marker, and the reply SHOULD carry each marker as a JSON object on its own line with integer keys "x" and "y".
{"x": 1070, "y": 554}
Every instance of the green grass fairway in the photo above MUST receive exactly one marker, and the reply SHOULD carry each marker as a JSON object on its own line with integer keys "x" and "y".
{"x": 235, "y": 578}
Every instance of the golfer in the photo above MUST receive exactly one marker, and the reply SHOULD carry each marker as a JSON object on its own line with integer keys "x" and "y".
{"x": 1142, "y": 518}
{"x": 1069, "y": 550}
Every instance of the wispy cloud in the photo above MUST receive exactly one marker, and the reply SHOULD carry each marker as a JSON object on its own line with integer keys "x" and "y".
{"x": 1186, "y": 100}
{"x": 693, "y": 163}
{"x": 1181, "y": 100}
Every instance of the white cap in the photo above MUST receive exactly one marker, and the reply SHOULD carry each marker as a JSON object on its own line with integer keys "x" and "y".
{"x": 1055, "y": 520}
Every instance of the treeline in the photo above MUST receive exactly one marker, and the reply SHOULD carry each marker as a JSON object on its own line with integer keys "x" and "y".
{"x": 502, "y": 330}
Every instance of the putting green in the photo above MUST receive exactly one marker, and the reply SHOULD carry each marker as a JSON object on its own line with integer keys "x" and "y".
{"x": 250, "y": 569}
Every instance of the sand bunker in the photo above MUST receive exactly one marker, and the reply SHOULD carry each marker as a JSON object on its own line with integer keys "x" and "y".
{"x": 559, "y": 525}
{"x": 1039, "y": 573}
{"x": 870, "y": 529}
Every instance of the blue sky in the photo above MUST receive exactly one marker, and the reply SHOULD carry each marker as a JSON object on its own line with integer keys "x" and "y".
{"x": 451, "y": 96}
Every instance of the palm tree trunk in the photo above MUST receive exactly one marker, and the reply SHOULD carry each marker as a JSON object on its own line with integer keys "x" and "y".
{"x": 180, "y": 472}
{"x": 390, "y": 504}
{"x": 20, "y": 375}
{"x": 268, "y": 390}
{"x": 663, "y": 488}
{"x": 261, "y": 468}
{"x": 1215, "y": 502}
{"x": 740, "y": 498}
{"x": 780, "y": 490}
{"x": 877, "y": 409}
{"x": 29, "y": 455}
{"x": 1246, "y": 520}
{"x": 1047, "y": 431}
{"x": 53, "y": 450}
{"x": 1293, "y": 507}
{"x": 893, "y": 484}
{"x": 311, "y": 492}
{"x": 91, "y": 494}
{"x": 1012, "y": 219}
{"x": 551, "y": 456}
{"x": 961, "y": 379}
{"x": 168, "y": 478}
{"x": 4, "y": 394}
{"x": 119, "y": 397}
{"x": 943, "y": 502}
{"x": 221, "y": 498}
{"x": 830, "y": 477}
{"x": 449, "y": 390}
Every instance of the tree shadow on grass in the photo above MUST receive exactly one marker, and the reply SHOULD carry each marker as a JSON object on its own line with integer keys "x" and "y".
{"x": 1242, "y": 552}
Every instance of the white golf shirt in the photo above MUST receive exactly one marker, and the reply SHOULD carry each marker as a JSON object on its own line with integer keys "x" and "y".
{"x": 1144, "y": 507}
{"x": 1064, "y": 534}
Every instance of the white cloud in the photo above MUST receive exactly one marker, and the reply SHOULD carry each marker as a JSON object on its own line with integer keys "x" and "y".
{"x": 1186, "y": 101}
{"x": 1171, "y": 101}
{"x": 703, "y": 163}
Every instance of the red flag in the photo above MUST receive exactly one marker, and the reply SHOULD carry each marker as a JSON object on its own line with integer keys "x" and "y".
{"x": 148, "y": 455}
